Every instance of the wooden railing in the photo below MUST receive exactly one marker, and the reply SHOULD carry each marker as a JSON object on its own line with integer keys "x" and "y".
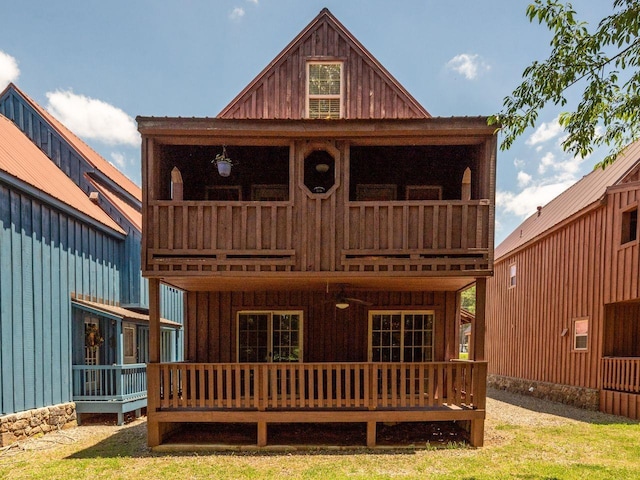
{"x": 423, "y": 236}
{"x": 366, "y": 386}
{"x": 109, "y": 382}
{"x": 228, "y": 233}
{"x": 621, "y": 374}
{"x": 203, "y": 236}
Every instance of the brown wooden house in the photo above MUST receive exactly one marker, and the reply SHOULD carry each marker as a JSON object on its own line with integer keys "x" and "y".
{"x": 322, "y": 273}
{"x": 563, "y": 317}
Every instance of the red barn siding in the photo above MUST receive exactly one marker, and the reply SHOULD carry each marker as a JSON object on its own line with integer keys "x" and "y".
{"x": 525, "y": 323}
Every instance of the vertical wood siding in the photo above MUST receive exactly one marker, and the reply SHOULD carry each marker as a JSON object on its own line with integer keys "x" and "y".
{"x": 45, "y": 256}
{"x": 558, "y": 280}
{"x": 280, "y": 92}
{"x": 329, "y": 334}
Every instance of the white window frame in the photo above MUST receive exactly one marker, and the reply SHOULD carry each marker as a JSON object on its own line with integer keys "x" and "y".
{"x": 402, "y": 314}
{"x": 340, "y": 96}
{"x": 576, "y": 335}
{"x": 513, "y": 275}
{"x": 270, "y": 346}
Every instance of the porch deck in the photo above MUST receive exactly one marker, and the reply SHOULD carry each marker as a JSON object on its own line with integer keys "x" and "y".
{"x": 620, "y": 393}
{"x": 115, "y": 389}
{"x": 316, "y": 392}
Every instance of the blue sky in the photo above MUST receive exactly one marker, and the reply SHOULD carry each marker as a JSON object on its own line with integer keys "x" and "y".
{"x": 96, "y": 65}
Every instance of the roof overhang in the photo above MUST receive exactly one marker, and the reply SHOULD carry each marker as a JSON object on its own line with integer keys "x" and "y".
{"x": 213, "y": 131}
{"x": 118, "y": 313}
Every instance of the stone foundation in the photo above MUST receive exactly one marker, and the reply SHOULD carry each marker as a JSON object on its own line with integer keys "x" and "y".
{"x": 21, "y": 425}
{"x": 580, "y": 397}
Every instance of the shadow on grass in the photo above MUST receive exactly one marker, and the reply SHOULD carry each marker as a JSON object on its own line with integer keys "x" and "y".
{"x": 284, "y": 439}
{"x": 529, "y": 402}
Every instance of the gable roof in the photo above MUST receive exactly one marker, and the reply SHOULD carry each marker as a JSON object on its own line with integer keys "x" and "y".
{"x": 23, "y": 160}
{"x": 590, "y": 189}
{"x": 279, "y": 90}
{"x": 90, "y": 155}
{"x": 131, "y": 214}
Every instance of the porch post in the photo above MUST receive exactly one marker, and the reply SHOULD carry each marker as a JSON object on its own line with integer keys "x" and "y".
{"x": 154, "y": 435}
{"x": 478, "y": 327}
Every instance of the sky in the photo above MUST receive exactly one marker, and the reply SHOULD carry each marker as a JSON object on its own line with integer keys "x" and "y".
{"x": 96, "y": 65}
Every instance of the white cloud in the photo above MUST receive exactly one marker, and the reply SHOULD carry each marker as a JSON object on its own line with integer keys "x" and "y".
{"x": 518, "y": 163}
{"x": 525, "y": 203}
{"x": 544, "y": 132}
{"x": 93, "y": 119}
{"x": 237, "y": 13}
{"x": 545, "y": 162}
{"x": 119, "y": 160}
{"x": 255, "y": 2}
{"x": 524, "y": 179}
{"x": 9, "y": 71}
{"x": 468, "y": 65}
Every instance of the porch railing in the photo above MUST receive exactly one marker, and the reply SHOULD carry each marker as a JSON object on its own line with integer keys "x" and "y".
{"x": 621, "y": 374}
{"x": 109, "y": 382}
{"x": 290, "y": 386}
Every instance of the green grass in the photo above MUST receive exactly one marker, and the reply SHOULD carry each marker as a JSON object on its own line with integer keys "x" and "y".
{"x": 560, "y": 448}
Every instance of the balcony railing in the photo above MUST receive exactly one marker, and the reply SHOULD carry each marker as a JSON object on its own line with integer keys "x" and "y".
{"x": 204, "y": 236}
{"x": 109, "y": 382}
{"x": 304, "y": 386}
{"x": 621, "y": 374}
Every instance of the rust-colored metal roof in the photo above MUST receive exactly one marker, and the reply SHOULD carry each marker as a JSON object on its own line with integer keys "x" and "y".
{"x": 124, "y": 313}
{"x": 584, "y": 193}
{"x": 87, "y": 152}
{"x": 129, "y": 212}
{"x": 22, "y": 159}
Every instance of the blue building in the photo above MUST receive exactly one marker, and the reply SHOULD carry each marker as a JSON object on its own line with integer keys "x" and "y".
{"x": 74, "y": 326}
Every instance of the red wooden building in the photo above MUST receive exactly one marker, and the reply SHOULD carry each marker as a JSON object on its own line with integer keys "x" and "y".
{"x": 563, "y": 319}
{"x": 323, "y": 271}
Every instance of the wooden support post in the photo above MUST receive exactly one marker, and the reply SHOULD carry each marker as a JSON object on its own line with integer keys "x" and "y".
{"x": 478, "y": 327}
{"x": 477, "y": 433}
{"x": 262, "y": 434}
{"x": 154, "y": 320}
{"x": 371, "y": 434}
{"x": 154, "y": 435}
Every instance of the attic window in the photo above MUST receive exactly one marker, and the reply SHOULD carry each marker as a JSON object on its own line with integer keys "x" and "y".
{"x": 324, "y": 90}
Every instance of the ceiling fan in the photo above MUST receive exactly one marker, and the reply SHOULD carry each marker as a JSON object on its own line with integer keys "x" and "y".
{"x": 341, "y": 301}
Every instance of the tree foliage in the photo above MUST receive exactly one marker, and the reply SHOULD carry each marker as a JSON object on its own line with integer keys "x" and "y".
{"x": 604, "y": 62}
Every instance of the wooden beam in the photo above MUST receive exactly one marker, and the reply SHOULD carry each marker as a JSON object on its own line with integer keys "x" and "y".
{"x": 479, "y": 327}
{"x": 154, "y": 320}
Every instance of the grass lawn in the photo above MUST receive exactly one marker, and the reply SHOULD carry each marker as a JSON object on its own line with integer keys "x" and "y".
{"x": 557, "y": 443}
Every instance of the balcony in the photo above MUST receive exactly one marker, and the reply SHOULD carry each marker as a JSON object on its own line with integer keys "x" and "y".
{"x": 429, "y": 237}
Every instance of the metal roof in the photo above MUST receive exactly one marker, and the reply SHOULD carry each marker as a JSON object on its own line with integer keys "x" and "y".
{"x": 123, "y": 313}
{"x": 129, "y": 212}
{"x": 584, "y": 193}
{"x": 92, "y": 157}
{"x": 22, "y": 159}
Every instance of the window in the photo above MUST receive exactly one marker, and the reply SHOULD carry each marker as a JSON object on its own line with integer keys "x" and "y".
{"x": 269, "y": 336}
{"x": 580, "y": 333}
{"x": 629, "y": 226}
{"x": 512, "y": 275}
{"x": 129, "y": 341}
{"x": 401, "y": 336}
{"x": 324, "y": 90}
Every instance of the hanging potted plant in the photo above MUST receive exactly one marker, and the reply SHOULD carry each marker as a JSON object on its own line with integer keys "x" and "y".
{"x": 224, "y": 163}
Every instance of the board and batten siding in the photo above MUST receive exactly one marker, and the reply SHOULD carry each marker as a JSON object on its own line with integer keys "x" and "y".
{"x": 329, "y": 334}
{"x": 280, "y": 91}
{"x": 45, "y": 257}
{"x": 530, "y": 326}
